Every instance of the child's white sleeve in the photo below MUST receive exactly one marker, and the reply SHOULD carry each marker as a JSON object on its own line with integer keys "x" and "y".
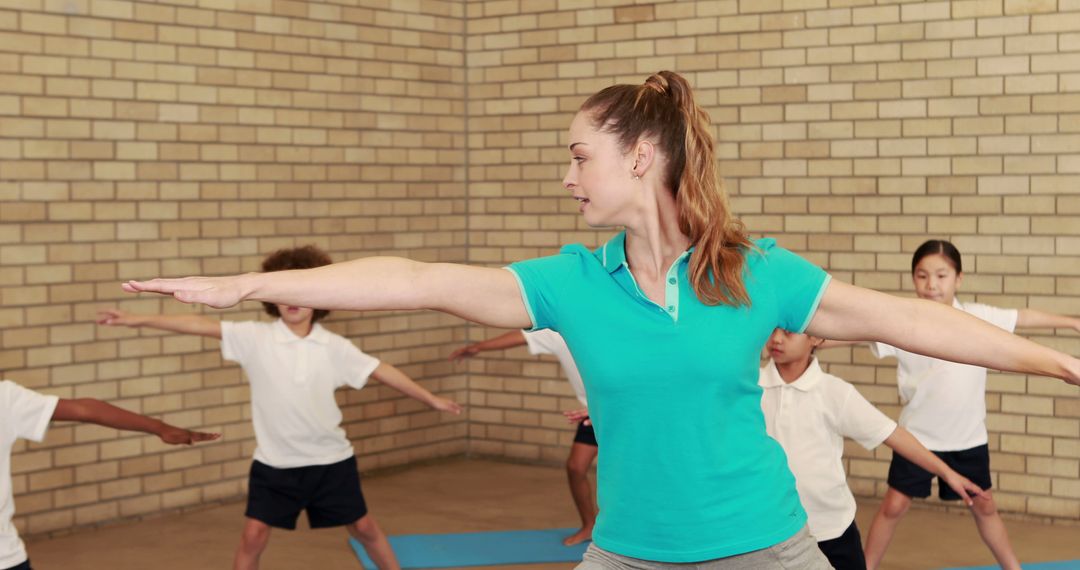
{"x": 28, "y": 411}
{"x": 237, "y": 338}
{"x": 862, "y": 422}
{"x": 539, "y": 342}
{"x": 882, "y": 350}
{"x": 356, "y": 365}
{"x": 1001, "y": 318}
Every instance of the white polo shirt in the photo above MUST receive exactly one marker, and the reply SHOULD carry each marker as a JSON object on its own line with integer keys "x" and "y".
{"x": 293, "y": 379}
{"x": 810, "y": 418}
{"x": 945, "y": 402}
{"x": 23, "y": 414}
{"x": 547, "y": 341}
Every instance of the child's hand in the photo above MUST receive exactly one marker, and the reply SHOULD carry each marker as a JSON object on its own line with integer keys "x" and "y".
{"x": 176, "y": 436}
{"x": 963, "y": 487}
{"x": 444, "y": 405}
{"x": 464, "y": 352}
{"x": 116, "y": 317}
{"x": 217, "y": 292}
{"x": 578, "y": 416}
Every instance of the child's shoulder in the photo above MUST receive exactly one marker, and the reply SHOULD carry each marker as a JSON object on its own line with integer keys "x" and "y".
{"x": 835, "y": 386}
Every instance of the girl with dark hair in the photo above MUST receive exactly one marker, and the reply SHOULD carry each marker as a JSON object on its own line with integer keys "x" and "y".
{"x": 665, "y": 322}
{"x": 945, "y": 408}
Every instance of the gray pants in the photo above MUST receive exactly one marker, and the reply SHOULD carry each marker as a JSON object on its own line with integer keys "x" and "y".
{"x": 800, "y": 552}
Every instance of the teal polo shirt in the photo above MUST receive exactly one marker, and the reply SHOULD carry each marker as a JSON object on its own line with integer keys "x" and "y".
{"x": 686, "y": 471}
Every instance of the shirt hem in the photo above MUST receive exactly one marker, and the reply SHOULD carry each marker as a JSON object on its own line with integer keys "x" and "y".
{"x": 15, "y": 560}
{"x": 705, "y": 555}
{"x": 833, "y": 534}
{"x": 309, "y": 462}
{"x": 524, "y": 298}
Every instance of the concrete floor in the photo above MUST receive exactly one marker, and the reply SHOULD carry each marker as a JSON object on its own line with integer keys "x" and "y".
{"x": 474, "y": 495}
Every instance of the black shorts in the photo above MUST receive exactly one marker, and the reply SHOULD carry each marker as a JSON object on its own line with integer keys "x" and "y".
{"x": 329, "y": 493}
{"x": 845, "y": 552}
{"x": 914, "y": 481}
{"x": 585, "y": 434}
{"x": 23, "y": 566}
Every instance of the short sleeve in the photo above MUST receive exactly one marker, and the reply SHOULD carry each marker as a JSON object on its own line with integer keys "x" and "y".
{"x": 541, "y": 342}
{"x": 544, "y": 281}
{"x": 1001, "y": 318}
{"x": 356, "y": 365}
{"x": 797, "y": 283}
{"x": 238, "y": 340}
{"x": 881, "y": 350}
{"x": 861, "y": 421}
{"x": 28, "y": 412}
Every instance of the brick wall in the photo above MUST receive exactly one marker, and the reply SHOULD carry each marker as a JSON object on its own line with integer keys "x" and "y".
{"x": 144, "y": 138}
{"x": 172, "y": 138}
{"x": 851, "y": 131}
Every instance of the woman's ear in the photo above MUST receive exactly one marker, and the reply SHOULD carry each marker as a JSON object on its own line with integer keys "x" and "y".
{"x": 644, "y": 157}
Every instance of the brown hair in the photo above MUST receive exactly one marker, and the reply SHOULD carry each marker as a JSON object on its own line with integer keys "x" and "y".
{"x": 663, "y": 107}
{"x": 296, "y": 258}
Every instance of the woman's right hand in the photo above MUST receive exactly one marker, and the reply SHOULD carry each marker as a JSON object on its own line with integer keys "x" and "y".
{"x": 217, "y": 292}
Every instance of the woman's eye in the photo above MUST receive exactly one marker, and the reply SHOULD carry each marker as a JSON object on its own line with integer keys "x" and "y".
{"x": 579, "y": 159}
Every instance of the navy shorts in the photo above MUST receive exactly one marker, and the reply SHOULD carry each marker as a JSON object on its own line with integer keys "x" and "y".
{"x": 585, "y": 434}
{"x": 330, "y": 494}
{"x": 23, "y": 566}
{"x": 845, "y": 552}
{"x": 914, "y": 481}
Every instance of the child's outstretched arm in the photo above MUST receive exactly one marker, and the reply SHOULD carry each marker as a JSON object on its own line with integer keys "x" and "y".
{"x": 1036, "y": 319}
{"x": 924, "y": 327}
{"x": 484, "y": 295}
{"x": 504, "y": 341}
{"x": 397, "y": 380}
{"x": 901, "y": 441}
{"x": 186, "y": 324}
{"x": 97, "y": 412}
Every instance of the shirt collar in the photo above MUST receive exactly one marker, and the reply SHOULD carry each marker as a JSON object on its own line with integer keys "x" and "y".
{"x": 283, "y": 335}
{"x": 957, "y": 304}
{"x": 613, "y": 253}
{"x": 770, "y": 377}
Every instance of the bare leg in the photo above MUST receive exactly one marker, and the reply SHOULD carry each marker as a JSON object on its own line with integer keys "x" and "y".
{"x": 253, "y": 541}
{"x": 374, "y": 541}
{"x": 577, "y": 473}
{"x": 893, "y": 508}
{"x": 992, "y": 531}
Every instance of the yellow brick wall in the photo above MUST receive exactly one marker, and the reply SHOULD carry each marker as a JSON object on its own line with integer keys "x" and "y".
{"x": 193, "y": 137}
{"x": 144, "y": 138}
{"x": 851, "y": 130}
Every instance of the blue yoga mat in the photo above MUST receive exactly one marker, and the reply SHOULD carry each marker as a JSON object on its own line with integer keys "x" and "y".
{"x": 1060, "y": 565}
{"x": 480, "y": 548}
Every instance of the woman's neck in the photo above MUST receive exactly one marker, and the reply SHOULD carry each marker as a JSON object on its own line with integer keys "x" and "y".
{"x": 654, "y": 241}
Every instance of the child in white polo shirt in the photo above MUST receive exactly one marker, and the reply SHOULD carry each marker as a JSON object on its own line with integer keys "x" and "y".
{"x": 584, "y": 449}
{"x": 303, "y": 460}
{"x": 810, "y": 413}
{"x": 945, "y": 407}
{"x": 25, "y": 414}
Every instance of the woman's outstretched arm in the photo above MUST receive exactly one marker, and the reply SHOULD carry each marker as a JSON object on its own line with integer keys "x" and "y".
{"x": 484, "y": 295}
{"x": 847, "y": 312}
